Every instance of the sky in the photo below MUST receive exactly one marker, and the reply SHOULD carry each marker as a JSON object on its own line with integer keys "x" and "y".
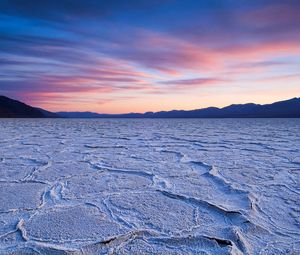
{"x": 122, "y": 56}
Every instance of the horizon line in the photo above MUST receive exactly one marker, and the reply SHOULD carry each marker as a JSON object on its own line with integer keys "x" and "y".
{"x": 122, "y": 113}
{"x": 193, "y": 109}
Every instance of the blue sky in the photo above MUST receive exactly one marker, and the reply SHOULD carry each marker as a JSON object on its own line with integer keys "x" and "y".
{"x": 135, "y": 56}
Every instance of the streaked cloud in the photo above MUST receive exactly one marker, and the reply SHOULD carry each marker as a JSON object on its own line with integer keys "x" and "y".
{"x": 140, "y": 51}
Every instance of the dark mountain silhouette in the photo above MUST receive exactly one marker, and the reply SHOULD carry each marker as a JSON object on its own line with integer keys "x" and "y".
{"x": 48, "y": 114}
{"x": 283, "y": 109}
{"x": 82, "y": 114}
{"x": 10, "y": 108}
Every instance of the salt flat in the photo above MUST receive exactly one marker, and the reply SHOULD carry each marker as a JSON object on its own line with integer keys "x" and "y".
{"x": 150, "y": 186}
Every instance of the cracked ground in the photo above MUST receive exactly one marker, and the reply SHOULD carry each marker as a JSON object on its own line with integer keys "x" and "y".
{"x": 149, "y": 186}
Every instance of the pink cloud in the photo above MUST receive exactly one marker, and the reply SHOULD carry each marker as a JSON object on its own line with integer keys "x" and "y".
{"x": 192, "y": 83}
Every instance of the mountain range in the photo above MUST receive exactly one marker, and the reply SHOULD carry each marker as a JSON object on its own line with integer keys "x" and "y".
{"x": 10, "y": 108}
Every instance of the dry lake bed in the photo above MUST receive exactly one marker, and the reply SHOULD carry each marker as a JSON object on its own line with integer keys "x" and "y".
{"x": 150, "y": 186}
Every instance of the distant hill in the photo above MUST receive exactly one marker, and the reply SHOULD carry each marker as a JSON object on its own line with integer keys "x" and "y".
{"x": 283, "y": 109}
{"x": 79, "y": 114}
{"x": 10, "y": 108}
{"x": 48, "y": 114}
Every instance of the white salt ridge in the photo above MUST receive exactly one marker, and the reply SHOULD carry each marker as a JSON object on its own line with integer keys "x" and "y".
{"x": 149, "y": 186}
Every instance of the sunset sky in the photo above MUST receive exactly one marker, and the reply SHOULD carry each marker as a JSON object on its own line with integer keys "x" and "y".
{"x": 120, "y": 56}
